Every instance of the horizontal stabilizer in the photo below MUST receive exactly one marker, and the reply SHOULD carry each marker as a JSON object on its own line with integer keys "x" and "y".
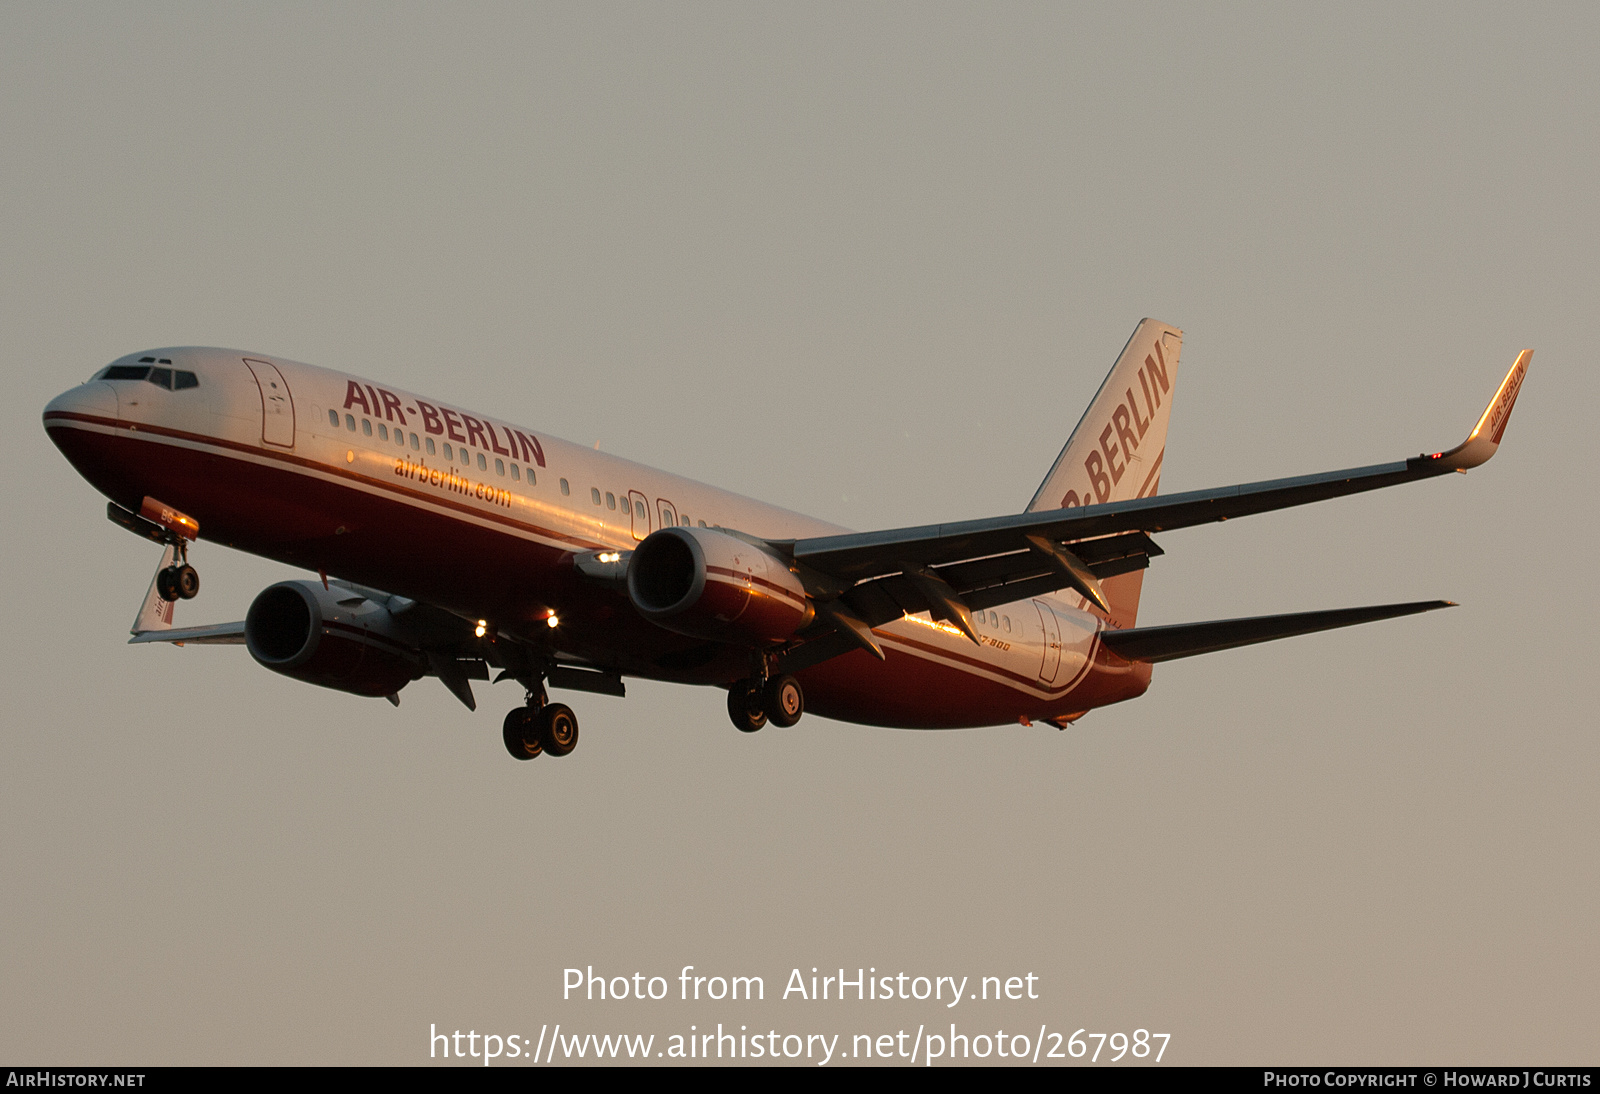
{"x": 217, "y": 634}
{"x": 1189, "y": 639}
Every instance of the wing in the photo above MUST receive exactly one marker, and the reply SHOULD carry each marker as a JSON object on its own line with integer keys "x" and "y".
{"x": 1010, "y": 557}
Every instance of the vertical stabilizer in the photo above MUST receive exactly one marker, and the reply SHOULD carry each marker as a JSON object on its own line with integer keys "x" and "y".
{"x": 1115, "y": 453}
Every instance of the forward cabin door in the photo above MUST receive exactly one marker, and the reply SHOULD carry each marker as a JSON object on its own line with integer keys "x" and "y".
{"x": 277, "y": 405}
{"x": 1050, "y": 665}
{"x": 641, "y": 514}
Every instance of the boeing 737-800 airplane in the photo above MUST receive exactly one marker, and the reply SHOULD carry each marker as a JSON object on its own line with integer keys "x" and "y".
{"x": 464, "y": 546}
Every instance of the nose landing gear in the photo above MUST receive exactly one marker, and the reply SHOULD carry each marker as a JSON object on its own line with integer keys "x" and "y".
{"x": 178, "y": 582}
{"x": 160, "y": 523}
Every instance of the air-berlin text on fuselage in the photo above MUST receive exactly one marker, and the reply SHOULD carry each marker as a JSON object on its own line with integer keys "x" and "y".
{"x": 444, "y": 422}
{"x": 449, "y": 479}
{"x": 1129, "y": 427}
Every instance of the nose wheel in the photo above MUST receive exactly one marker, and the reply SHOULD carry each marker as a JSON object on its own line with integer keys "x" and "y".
{"x": 160, "y": 523}
{"x": 180, "y": 582}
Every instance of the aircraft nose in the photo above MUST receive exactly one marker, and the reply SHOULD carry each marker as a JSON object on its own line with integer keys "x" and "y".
{"x": 95, "y": 400}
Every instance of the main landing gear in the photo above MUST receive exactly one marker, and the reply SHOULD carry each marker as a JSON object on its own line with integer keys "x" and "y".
{"x": 540, "y": 726}
{"x": 753, "y": 703}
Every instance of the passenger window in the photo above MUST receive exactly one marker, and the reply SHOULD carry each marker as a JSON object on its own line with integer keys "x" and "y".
{"x": 429, "y": 442}
{"x": 668, "y": 517}
{"x": 182, "y": 381}
{"x": 638, "y": 510}
{"x": 161, "y": 377}
{"x": 414, "y": 441}
{"x": 350, "y": 422}
{"x": 1005, "y": 623}
{"x": 514, "y": 476}
{"x": 531, "y": 480}
{"x": 611, "y": 500}
{"x": 702, "y": 524}
{"x": 594, "y": 492}
{"x": 499, "y": 467}
{"x": 366, "y": 426}
{"x": 483, "y": 464}
{"x": 565, "y": 489}
{"x": 333, "y": 418}
{"x": 687, "y": 523}
{"x": 383, "y": 432}
{"x": 400, "y": 437}
{"x": 449, "y": 452}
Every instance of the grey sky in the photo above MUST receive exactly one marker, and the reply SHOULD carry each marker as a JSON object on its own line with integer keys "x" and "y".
{"x": 867, "y": 262}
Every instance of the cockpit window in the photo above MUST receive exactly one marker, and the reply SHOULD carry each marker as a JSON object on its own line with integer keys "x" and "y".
{"x": 172, "y": 379}
{"x": 126, "y": 372}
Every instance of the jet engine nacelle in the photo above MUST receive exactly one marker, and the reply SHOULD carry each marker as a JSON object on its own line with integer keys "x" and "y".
{"x": 708, "y": 584}
{"x": 333, "y": 638}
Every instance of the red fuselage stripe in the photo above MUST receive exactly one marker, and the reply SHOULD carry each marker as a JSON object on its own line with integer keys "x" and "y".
{"x": 327, "y": 469}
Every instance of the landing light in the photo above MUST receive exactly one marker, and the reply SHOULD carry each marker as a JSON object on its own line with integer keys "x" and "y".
{"x": 554, "y": 621}
{"x": 482, "y": 628}
{"x": 608, "y": 556}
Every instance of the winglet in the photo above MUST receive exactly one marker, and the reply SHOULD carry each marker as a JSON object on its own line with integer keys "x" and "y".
{"x": 1485, "y": 437}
